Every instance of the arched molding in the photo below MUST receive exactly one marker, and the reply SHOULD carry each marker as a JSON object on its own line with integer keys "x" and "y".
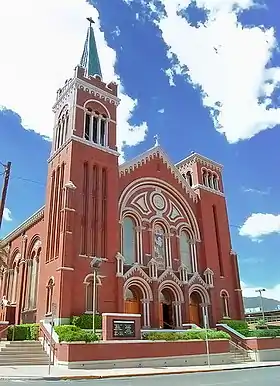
{"x": 64, "y": 109}
{"x": 150, "y": 182}
{"x": 174, "y": 288}
{"x": 97, "y": 102}
{"x": 34, "y": 244}
{"x": 89, "y": 278}
{"x": 224, "y": 292}
{"x": 132, "y": 213}
{"x": 50, "y": 282}
{"x": 140, "y": 283}
{"x": 14, "y": 258}
{"x": 136, "y": 268}
{"x": 201, "y": 291}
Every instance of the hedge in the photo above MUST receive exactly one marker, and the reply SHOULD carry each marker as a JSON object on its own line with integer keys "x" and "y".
{"x": 85, "y": 321}
{"x": 70, "y": 333}
{"x": 188, "y": 335}
{"x": 238, "y": 325}
{"x": 23, "y": 332}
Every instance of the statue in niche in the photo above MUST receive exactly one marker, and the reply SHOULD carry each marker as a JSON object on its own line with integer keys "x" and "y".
{"x": 159, "y": 246}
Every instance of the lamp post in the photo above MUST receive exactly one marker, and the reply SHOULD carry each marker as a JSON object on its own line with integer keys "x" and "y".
{"x": 204, "y": 307}
{"x": 95, "y": 264}
{"x": 261, "y": 300}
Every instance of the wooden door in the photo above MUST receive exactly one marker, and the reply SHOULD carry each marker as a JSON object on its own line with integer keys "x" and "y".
{"x": 132, "y": 306}
{"x": 194, "y": 314}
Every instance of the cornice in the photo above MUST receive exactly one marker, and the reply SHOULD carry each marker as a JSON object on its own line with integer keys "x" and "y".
{"x": 157, "y": 152}
{"x": 200, "y": 186}
{"x": 196, "y": 157}
{"x": 36, "y": 217}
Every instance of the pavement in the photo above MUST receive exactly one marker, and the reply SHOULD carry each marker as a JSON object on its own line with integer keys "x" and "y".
{"x": 31, "y": 373}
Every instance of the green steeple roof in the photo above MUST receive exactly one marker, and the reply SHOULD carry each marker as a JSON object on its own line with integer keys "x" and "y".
{"x": 90, "y": 60}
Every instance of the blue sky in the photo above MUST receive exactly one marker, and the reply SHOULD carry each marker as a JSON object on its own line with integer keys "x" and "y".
{"x": 204, "y": 75}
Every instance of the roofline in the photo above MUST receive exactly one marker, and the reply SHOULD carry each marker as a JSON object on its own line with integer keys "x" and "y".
{"x": 139, "y": 157}
{"x": 33, "y": 219}
{"x": 202, "y": 157}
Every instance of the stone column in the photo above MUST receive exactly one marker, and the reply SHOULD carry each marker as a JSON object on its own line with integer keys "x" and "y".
{"x": 146, "y": 313}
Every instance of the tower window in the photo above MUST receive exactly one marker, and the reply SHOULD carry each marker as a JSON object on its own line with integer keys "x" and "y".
{"x": 189, "y": 178}
{"x": 87, "y": 127}
{"x": 96, "y": 128}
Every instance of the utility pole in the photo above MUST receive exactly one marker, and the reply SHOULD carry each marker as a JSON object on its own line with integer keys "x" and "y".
{"x": 4, "y": 189}
{"x": 261, "y": 301}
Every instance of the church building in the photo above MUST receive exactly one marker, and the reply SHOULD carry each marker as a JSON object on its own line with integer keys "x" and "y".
{"x": 161, "y": 229}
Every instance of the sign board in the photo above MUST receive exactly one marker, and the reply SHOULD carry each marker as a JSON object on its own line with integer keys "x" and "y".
{"x": 123, "y": 328}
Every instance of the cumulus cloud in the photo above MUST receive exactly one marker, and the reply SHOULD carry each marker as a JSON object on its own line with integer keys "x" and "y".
{"x": 41, "y": 43}
{"x": 227, "y": 62}
{"x": 260, "y": 224}
{"x": 7, "y": 215}
{"x": 270, "y": 293}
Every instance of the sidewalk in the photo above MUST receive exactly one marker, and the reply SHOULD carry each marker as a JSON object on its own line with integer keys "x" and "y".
{"x": 62, "y": 373}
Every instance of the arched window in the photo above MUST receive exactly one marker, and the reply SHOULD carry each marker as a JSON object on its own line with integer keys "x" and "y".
{"x": 34, "y": 281}
{"x": 215, "y": 183}
{"x": 189, "y": 178}
{"x": 129, "y": 241}
{"x": 89, "y": 287}
{"x": 204, "y": 178}
{"x": 96, "y": 127}
{"x": 160, "y": 246}
{"x": 210, "y": 180}
{"x": 49, "y": 299}
{"x": 225, "y": 304}
{"x": 185, "y": 251}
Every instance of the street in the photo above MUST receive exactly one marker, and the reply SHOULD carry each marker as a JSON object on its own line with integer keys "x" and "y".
{"x": 256, "y": 377}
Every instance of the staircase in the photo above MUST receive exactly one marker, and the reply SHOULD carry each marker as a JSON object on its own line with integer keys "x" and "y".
{"x": 239, "y": 354}
{"x": 25, "y": 353}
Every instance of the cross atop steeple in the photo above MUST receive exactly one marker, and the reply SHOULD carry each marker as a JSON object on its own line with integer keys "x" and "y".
{"x": 156, "y": 137}
{"x": 90, "y": 59}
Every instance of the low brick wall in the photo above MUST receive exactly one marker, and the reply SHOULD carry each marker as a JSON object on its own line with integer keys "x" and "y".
{"x": 263, "y": 343}
{"x": 81, "y": 354}
{"x": 3, "y": 330}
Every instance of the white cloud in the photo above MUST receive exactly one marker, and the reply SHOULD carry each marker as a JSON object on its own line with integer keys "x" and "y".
{"x": 7, "y": 215}
{"x": 270, "y": 293}
{"x": 161, "y": 111}
{"x": 227, "y": 62}
{"x": 42, "y": 45}
{"x": 257, "y": 191}
{"x": 260, "y": 224}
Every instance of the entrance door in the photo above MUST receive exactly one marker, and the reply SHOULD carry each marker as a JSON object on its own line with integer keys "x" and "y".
{"x": 194, "y": 309}
{"x": 132, "y": 303}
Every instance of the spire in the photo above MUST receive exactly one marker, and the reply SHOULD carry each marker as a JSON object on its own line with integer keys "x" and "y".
{"x": 90, "y": 60}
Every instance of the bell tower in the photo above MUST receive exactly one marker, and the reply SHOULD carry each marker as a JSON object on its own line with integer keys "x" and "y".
{"x": 81, "y": 212}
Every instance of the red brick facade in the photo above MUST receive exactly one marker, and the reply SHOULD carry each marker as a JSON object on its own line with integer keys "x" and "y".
{"x": 162, "y": 228}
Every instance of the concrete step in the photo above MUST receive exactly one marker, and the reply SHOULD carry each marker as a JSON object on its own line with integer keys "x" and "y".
{"x": 21, "y": 349}
{"x": 27, "y": 362}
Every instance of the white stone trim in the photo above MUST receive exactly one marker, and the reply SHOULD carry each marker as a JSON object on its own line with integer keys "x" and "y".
{"x": 122, "y": 315}
{"x": 196, "y": 157}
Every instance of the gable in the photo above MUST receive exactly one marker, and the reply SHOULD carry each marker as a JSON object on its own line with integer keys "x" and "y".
{"x": 155, "y": 163}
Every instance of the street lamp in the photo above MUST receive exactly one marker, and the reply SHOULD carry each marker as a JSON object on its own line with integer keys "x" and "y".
{"x": 95, "y": 264}
{"x": 261, "y": 299}
{"x": 204, "y": 307}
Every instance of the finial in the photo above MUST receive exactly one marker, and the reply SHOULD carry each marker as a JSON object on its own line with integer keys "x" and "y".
{"x": 156, "y": 137}
{"x": 91, "y": 21}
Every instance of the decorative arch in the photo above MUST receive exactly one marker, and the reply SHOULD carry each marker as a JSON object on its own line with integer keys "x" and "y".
{"x": 161, "y": 244}
{"x": 32, "y": 269}
{"x": 186, "y": 250}
{"x": 141, "y": 284}
{"x": 97, "y": 102}
{"x": 201, "y": 291}
{"x": 179, "y": 199}
{"x": 174, "y": 288}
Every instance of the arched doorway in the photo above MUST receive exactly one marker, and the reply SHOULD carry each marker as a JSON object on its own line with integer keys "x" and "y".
{"x": 195, "y": 310}
{"x": 166, "y": 310}
{"x": 132, "y": 301}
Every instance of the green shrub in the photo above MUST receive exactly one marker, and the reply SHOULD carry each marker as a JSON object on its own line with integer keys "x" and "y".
{"x": 188, "y": 335}
{"x": 71, "y": 333}
{"x": 265, "y": 333}
{"x": 23, "y": 332}
{"x": 237, "y": 325}
{"x": 85, "y": 321}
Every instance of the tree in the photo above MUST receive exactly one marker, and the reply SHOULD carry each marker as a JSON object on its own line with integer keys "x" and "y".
{"x": 3, "y": 256}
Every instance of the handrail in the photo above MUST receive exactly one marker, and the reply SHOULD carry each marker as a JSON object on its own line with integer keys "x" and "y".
{"x": 50, "y": 342}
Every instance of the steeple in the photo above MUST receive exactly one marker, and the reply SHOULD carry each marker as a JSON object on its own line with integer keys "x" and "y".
{"x": 90, "y": 60}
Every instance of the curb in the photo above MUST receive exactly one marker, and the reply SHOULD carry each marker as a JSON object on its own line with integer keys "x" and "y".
{"x": 133, "y": 375}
